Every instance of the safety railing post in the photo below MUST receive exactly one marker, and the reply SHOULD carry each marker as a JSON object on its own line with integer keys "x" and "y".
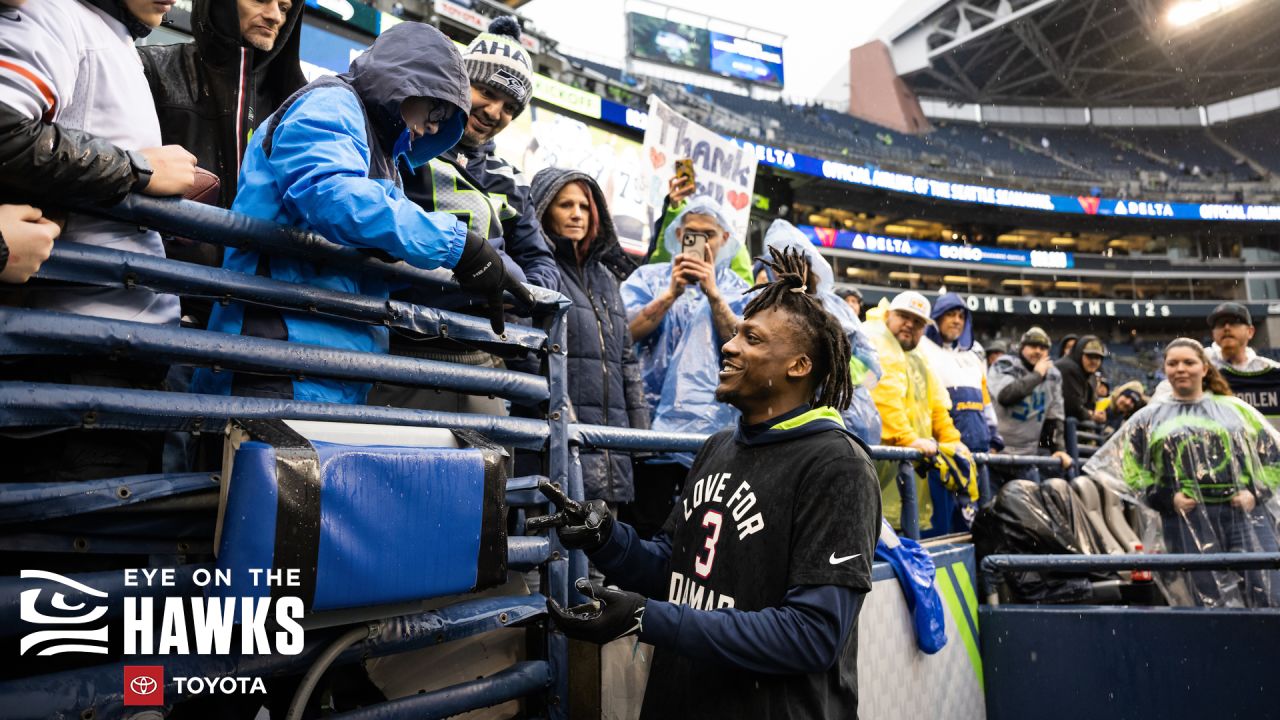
{"x": 577, "y": 558}
{"x": 910, "y": 503}
{"x": 1070, "y": 439}
{"x": 560, "y": 573}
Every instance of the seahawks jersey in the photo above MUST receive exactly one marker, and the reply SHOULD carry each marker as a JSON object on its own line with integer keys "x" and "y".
{"x": 758, "y": 517}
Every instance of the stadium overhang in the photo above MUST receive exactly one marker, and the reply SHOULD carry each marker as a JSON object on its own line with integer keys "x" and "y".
{"x": 1086, "y": 52}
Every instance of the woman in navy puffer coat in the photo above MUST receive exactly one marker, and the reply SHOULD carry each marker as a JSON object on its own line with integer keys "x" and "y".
{"x": 605, "y": 387}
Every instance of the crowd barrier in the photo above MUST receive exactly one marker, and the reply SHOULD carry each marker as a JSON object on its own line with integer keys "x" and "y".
{"x": 1126, "y": 661}
{"x": 96, "y": 516}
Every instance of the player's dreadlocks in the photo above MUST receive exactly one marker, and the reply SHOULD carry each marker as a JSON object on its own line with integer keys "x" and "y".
{"x": 826, "y": 343}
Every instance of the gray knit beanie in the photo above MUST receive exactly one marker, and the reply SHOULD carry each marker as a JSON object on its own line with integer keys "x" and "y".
{"x": 497, "y": 60}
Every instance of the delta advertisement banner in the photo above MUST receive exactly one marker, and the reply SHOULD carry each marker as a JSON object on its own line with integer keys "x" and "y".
{"x": 930, "y": 250}
{"x": 324, "y": 52}
{"x": 541, "y": 138}
{"x": 723, "y": 168}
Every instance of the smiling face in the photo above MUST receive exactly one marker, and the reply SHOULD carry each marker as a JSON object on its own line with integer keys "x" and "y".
{"x": 570, "y": 213}
{"x": 1186, "y": 372}
{"x": 491, "y": 113}
{"x": 951, "y": 324}
{"x": 149, "y": 12}
{"x": 765, "y": 371}
{"x": 906, "y": 327}
{"x": 1124, "y": 404}
{"x": 1091, "y": 363}
{"x": 261, "y": 20}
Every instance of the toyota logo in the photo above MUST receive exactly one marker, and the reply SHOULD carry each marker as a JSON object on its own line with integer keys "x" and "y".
{"x": 143, "y": 685}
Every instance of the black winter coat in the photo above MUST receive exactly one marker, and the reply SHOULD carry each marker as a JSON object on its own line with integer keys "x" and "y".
{"x": 1079, "y": 394}
{"x": 197, "y": 87}
{"x": 605, "y": 387}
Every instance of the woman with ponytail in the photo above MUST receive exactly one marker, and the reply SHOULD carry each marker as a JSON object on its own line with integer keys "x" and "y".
{"x": 1208, "y": 465}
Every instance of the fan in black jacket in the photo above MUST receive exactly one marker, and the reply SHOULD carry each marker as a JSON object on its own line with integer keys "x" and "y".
{"x": 1079, "y": 372}
{"x": 606, "y": 388}
{"x": 211, "y": 94}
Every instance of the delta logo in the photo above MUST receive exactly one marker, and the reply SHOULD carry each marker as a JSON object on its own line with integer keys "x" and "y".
{"x": 826, "y": 236}
{"x": 1089, "y": 204}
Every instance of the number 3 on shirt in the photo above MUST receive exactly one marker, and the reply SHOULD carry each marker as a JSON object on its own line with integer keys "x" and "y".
{"x": 712, "y": 520}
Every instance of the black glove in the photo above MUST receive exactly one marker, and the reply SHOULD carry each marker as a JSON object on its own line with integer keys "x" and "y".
{"x": 580, "y": 526}
{"x": 613, "y": 614}
{"x": 480, "y": 269}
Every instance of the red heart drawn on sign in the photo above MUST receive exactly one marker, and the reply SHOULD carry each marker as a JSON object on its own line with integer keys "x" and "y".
{"x": 657, "y": 158}
{"x": 738, "y": 200}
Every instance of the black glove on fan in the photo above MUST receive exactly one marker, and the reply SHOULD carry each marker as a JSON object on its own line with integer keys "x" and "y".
{"x": 611, "y": 615}
{"x": 480, "y": 270}
{"x": 580, "y": 526}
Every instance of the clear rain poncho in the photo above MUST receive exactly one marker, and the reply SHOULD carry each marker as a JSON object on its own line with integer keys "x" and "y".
{"x": 861, "y": 418}
{"x": 680, "y": 360}
{"x": 1211, "y": 450}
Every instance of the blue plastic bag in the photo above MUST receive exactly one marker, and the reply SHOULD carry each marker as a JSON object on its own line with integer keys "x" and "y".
{"x": 914, "y": 568}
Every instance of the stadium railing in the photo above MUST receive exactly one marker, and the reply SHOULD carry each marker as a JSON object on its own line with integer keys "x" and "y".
{"x": 96, "y": 691}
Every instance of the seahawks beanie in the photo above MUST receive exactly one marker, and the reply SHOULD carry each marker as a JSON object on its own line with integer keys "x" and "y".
{"x": 497, "y": 60}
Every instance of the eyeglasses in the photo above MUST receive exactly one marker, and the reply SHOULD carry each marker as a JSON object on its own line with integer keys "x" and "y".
{"x": 439, "y": 112}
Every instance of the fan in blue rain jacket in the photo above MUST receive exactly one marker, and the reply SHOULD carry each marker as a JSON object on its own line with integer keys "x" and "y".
{"x": 326, "y": 161}
{"x": 861, "y": 418}
{"x": 680, "y": 360}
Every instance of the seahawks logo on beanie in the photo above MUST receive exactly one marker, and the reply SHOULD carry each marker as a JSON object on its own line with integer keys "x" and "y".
{"x": 497, "y": 59}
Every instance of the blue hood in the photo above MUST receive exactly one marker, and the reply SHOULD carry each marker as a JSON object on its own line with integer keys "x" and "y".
{"x": 412, "y": 60}
{"x": 946, "y": 303}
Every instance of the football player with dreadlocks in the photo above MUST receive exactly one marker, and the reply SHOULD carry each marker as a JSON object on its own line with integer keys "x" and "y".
{"x": 751, "y": 593}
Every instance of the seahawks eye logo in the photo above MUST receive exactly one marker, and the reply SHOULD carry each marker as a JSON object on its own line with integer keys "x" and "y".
{"x": 68, "y": 613}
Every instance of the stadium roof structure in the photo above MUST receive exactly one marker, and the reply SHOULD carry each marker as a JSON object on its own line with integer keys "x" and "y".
{"x": 1098, "y": 53}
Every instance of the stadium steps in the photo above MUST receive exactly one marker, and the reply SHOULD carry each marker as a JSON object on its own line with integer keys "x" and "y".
{"x": 1256, "y": 166}
{"x": 1037, "y": 149}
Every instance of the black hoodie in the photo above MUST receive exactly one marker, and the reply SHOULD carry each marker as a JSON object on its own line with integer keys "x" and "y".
{"x": 211, "y": 94}
{"x": 1079, "y": 394}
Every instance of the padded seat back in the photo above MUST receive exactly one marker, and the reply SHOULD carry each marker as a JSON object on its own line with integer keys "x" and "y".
{"x": 363, "y": 525}
{"x": 1087, "y": 494}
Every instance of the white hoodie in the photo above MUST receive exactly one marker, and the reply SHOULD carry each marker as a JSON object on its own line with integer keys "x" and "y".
{"x": 67, "y": 62}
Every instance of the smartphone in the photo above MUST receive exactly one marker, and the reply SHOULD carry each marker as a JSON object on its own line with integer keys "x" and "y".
{"x": 684, "y": 169}
{"x": 694, "y": 243}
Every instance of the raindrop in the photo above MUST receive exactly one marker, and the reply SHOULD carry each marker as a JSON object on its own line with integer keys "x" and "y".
{"x": 770, "y": 382}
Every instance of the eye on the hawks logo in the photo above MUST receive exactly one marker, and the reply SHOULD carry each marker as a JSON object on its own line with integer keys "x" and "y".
{"x": 58, "y": 610}
{"x": 143, "y": 685}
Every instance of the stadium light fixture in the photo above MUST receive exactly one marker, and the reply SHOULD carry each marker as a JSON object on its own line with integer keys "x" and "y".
{"x": 900, "y": 229}
{"x": 1063, "y": 241}
{"x": 899, "y": 275}
{"x": 959, "y": 279}
{"x": 1189, "y": 12}
{"x": 1017, "y": 282}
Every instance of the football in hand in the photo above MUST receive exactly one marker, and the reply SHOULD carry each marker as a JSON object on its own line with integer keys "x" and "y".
{"x": 205, "y": 188}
